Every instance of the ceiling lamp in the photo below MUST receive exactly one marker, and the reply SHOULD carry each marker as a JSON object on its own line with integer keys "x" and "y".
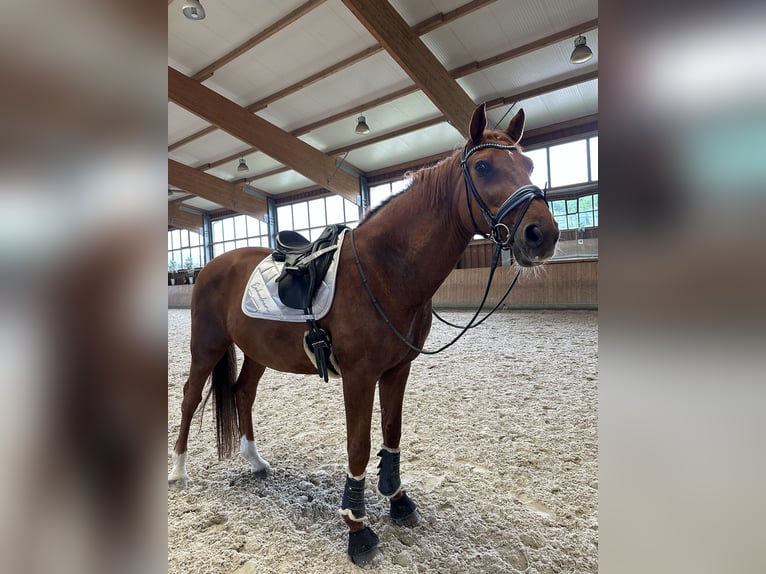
{"x": 361, "y": 126}
{"x": 193, "y": 10}
{"x": 242, "y": 165}
{"x": 581, "y": 52}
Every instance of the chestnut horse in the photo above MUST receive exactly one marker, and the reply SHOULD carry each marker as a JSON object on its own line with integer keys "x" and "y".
{"x": 404, "y": 250}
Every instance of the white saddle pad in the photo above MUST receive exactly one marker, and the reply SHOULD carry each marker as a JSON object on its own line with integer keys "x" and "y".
{"x": 261, "y": 299}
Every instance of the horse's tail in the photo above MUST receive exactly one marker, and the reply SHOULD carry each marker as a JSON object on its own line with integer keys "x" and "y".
{"x": 223, "y": 380}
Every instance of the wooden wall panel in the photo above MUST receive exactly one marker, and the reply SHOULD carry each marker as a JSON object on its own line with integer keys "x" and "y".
{"x": 557, "y": 285}
{"x": 179, "y": 296}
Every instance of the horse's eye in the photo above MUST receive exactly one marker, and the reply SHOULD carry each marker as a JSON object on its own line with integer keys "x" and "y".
{"x": 483, "y": 168}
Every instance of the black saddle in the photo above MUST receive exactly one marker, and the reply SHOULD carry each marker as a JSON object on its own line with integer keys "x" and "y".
{"x": 306, "y": 264}
{"x": 290, "y": 243}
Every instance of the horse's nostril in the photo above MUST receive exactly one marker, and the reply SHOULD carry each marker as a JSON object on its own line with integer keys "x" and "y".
{"x": 534, "y": 236}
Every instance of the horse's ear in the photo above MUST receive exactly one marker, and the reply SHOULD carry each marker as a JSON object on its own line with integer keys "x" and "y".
{"x": 478, "y": 123}
{"x": 516, "y": 126}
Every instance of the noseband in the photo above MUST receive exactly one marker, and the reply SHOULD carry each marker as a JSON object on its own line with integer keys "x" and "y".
{"x": 526, "y": 193}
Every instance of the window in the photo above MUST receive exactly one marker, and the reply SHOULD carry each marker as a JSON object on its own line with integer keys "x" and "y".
{"x": 573, "y": 163}
{"x": 565, "y": 164}
{"x": 335, "y": 212}
{"x": 317, "y": 217}
{"x": 309, "y": 218}
{"x": 301, "y": 216}
{"x": 380, "y": 193}
{"x": 569, "y": 163}
{"x": 183, "y": 244}
{"x": 593, "y": 143}
{"x": 238, "y": 231}
{"x": 540, "y": 171}
{"x": 285, "y": 216}
{"x": 577, "y": 213}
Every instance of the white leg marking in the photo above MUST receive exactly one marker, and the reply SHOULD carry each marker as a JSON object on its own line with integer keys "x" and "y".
{"x": 249, "y": 452}
{"x": 360, "y": 477}
{"x": 178, "y": 476}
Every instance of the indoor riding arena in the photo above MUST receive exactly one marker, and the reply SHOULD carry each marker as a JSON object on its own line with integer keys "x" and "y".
{"x": 453, "y": 147}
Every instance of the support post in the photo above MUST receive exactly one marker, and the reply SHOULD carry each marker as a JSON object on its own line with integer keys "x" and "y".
{"x": 271, "y": 220}
{"x": 207, "y": 238}
{"x": 364, "y": 195}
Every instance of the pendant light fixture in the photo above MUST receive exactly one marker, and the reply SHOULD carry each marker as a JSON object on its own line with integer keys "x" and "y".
{"x": 581, "y": 52}
{"x": 193, "y": 10}
{"x": 242, "y": 165}
{"x": 361, "y": 126}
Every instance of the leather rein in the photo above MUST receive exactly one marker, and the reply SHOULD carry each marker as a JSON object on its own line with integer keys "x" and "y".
{"x": 525, "y": 193}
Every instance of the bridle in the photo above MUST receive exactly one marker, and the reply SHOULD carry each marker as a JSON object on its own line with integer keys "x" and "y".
{"x": 526, "y": 193}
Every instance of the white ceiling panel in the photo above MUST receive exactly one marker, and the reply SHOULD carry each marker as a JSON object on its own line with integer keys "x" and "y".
{"x": 388, "y": 117}
{"x": 202, "y": 204}
{"x": 526, "y": 72}
{"x": 182, "y": 123}
{"x": 211, "y": 147}
{"x": 325, "y": 36}
{"x": 415, "y": 11}
{"x": 568, "y": 103}
{"x": 282, "y": 182}
{"x": 347, "y": 89}
{"x": 500, "y": 27}
{"x": 257, "y": 162}
{"x": 578, "y": 101}
{"x": 195, "y": 44}
{"x": 428, "y": 141}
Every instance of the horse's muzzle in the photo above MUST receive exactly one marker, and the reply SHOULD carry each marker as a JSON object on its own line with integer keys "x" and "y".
{"x": 536, "y": 244}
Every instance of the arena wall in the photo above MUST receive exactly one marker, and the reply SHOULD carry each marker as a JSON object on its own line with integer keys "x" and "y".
{"x": 564, "y": 284}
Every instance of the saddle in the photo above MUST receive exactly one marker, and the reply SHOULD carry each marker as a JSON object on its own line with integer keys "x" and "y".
{"x": 305, "y": 265}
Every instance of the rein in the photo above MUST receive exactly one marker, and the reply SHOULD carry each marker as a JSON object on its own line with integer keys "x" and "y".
{"x": 526, "y": 193}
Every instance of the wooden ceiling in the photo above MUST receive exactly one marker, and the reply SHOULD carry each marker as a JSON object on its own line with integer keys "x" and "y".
{"x": 281, "y": 83}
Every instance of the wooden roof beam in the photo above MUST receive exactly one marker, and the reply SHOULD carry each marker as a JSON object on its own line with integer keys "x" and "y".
{"x": 274, "y": 142}
{"x": 215, "y": 189}
{"x": 179, "y": 217}
{"x": 412, "y": 55}
{"x": 441, "y": 19}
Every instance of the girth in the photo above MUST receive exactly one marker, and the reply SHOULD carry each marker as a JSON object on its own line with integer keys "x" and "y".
{"x": 306, "y": 264}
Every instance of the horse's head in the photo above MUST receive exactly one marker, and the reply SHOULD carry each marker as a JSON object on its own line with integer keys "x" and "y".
{"x": 502, "y": 202}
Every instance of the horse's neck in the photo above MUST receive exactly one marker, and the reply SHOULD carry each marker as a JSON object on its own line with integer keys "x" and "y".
{"x": 413, "y": 243}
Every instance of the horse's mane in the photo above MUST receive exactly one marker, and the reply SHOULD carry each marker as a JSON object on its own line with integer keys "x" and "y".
{"x": 428, "y": 185}
{"x": 433, "y": 182}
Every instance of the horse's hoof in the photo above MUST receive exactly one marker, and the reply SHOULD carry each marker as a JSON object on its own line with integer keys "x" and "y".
{"x": 404, "y": 512}
{"x": 178, "y": 483}
{"x": 363, "y": 548}
{"x": 372, "y": 558}
{"x": 411, "y": 520}
{"x": 261, "y": 473}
